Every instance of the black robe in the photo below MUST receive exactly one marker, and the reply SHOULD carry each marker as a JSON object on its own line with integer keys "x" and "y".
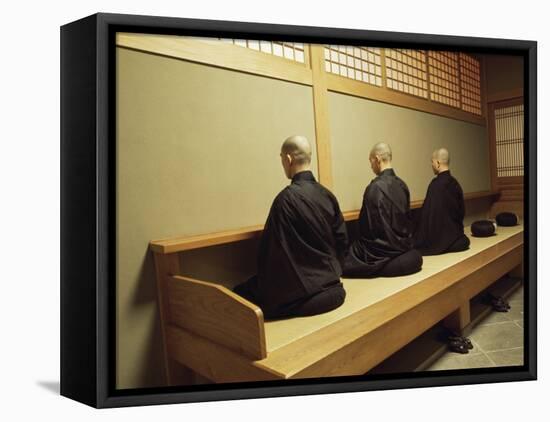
{"x": 301, "y": 249}
{"x": 385, "y": 226}
{"x": 441, "y": 221}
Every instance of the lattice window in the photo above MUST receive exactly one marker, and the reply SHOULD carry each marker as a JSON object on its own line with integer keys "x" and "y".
{"x": 509, "y": 140}
{"x": 444, "y": 78}
{"x": 470, "y": 84}
{"x": 360, "y": 63}
{"x": 288, "y": 50}
{"x": 406, "y": 71}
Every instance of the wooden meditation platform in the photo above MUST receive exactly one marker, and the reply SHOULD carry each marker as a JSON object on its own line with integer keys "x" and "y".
{"x": 223, "y": 337}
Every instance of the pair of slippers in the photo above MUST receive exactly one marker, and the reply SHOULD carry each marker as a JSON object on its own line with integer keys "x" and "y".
{"x": 459, "y": 344}
{"x": 497, "y": 302}
{"x": 500, "y": 305}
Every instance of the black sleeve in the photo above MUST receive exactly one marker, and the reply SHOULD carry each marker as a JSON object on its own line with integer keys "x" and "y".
{"x": 373, "y": 209}
{"x": 460, "y": 195}
{"x": 339, "y": 231}
{"x": 408, "y": 204}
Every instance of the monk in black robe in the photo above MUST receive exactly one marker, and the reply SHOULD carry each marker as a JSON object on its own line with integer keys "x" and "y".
{"x": 385, "y": 245}
{"x": 302, "y": 245}
{"x": 440, "y": 228}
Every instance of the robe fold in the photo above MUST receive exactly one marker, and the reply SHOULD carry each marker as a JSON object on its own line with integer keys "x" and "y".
{"x": 385, "y": 226}
{"x": 301, "y": 249}
{"x": 441, "y": 222}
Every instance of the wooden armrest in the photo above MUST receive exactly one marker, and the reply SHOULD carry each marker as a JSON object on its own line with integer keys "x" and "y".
{"x": 180, "y": 244}
{"x": 216, "y": 313}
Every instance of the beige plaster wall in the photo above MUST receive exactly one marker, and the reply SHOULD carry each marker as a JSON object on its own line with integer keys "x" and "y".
{"x": 197, "y": 152}
{"x": 357, "y": 124}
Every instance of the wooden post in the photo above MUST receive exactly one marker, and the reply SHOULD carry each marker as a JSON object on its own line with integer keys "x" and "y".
{"x": 518, "y": 271}
{"x": 320, "y": 109}
{"x": 492, "y": 144}
{"x": 167, "y": 265}
{"x": 459, "y": 320}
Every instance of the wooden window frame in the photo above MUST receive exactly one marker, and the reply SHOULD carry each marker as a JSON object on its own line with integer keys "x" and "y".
{"x": 491, "y": 106}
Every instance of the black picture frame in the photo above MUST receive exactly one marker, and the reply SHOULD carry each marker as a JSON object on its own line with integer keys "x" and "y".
{"x": 88, "y": 197}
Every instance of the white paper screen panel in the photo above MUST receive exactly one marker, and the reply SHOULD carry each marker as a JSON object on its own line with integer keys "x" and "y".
{"x": 362, "y": 64}
{"x": 444, "y": 78}
{"x": 288, "y": 50}
{"x": 406, "y": 71}
{"x": 470, "y": 84}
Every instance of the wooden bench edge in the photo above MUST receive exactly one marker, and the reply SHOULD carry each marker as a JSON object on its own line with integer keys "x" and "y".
{"x": 275, "y": 357}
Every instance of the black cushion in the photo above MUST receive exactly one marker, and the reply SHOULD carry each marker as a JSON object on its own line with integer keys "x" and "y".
{"x": 507, "y": 219}
{"x": 483, "y": 228}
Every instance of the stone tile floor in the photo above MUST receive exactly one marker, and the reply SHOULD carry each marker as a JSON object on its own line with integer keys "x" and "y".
{"x": 497, "y": 341}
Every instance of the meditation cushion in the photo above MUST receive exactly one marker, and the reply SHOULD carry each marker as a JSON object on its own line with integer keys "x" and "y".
{"x": 507, "y": 219}
{"x": 483, "y": 228}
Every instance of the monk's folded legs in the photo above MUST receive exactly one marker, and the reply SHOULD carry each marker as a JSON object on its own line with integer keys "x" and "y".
{"x": 461, "y": 244}
{"x": 408, "y": 263}
{"x": 328, "y": 299}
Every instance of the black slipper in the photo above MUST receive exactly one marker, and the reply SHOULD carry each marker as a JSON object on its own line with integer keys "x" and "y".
{"x": 464, "y": 340}
{"x": 458, "y": 347}
{"x": 500, "y": 305}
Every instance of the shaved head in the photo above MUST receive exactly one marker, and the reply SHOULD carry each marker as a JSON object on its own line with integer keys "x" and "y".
{"x": 440, "y": 160}
{"x": 442, "y": 155}
{"x": 380, "y": 157}
{"x": 383, "y": 151}
{"x": 299, "y": 148}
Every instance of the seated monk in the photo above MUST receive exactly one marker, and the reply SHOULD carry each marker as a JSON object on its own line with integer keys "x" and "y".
{"x": 440, "y": 228}
{"x": 385, "y": 245}
{"x": 302, "y": 245}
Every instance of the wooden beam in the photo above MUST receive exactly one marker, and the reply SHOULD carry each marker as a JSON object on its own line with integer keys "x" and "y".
{"x": 516, "y": 207}
{"x": 515, "y": 181}
{"x": 505, "y": 95}
{"x": 483, "y": 85}
{"x": 459, "y": 319}
{"x": 219, "y": 54}
{"x": 321, "y": 114}
{"x": 518, "y": 271}
{"x": 359, "y": 89}
{"x": 492, "y": 145}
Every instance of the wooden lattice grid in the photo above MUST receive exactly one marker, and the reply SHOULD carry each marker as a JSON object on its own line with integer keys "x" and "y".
{"x": 444, "y": 77}
{"x": 470, "y": 84}
{"x": 359, "y": 63}
{"x": 509, "y": 123}
{"x": 288, "y": 50}
{"x": 449, "y": 78}
{"x": 406, "y": 71}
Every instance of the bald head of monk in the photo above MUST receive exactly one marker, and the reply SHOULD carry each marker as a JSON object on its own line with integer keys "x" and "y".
{"x": 440, "y": 160}
{"x": 380, "y": 157}
{"x": 295, "y": 155}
